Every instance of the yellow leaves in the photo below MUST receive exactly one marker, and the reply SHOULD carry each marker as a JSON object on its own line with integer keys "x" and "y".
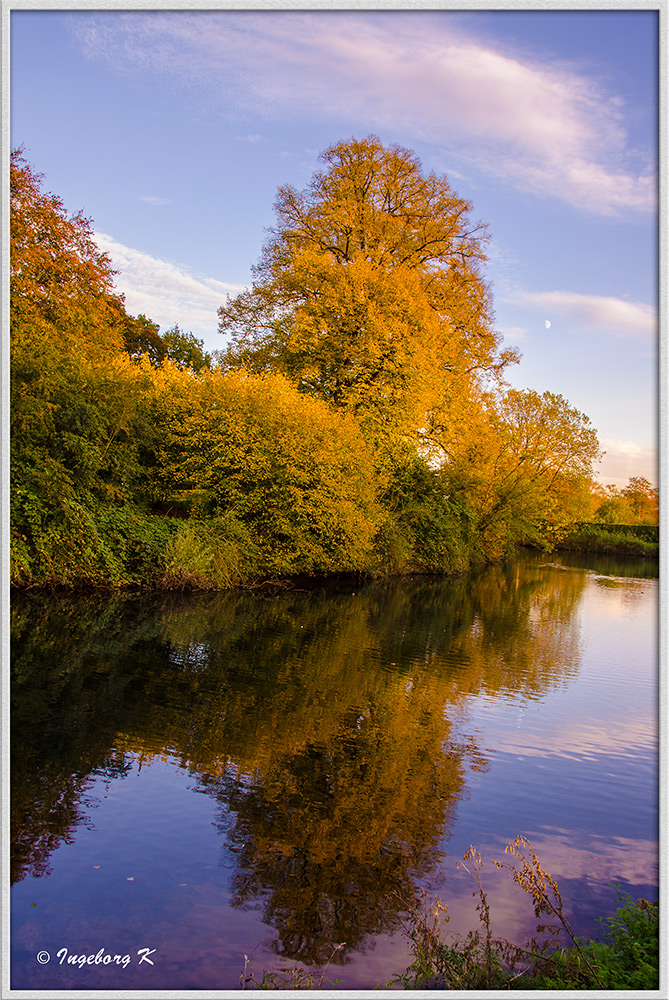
{"x": 298, "y": 474}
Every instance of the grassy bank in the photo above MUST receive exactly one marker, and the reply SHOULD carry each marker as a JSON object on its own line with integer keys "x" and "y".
{"x": 613, "y": 539}
{"x": 81, "y": 543}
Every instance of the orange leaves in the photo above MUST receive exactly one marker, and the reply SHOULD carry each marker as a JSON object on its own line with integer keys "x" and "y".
{"x": 60, "y": 282}
{"x": 369, "y": 293}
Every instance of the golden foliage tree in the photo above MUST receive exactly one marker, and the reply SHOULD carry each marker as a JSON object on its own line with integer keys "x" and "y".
{"x": 61, "y": 284}
{"x": 522, "y": 468}
{"x": 369, "y": 292}
{"x": 636, "y": 503}
{"x": 296, "y": 473}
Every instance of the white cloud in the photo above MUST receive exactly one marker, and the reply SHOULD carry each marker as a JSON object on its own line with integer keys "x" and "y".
{"x": 544, "y": 128}
{"x": 513, "y": 333}
{"x": 602, "y": 312}
{"x": 152, "y": 199}
{"x": 166, "y": 292}
{"x": 624, "y": 459}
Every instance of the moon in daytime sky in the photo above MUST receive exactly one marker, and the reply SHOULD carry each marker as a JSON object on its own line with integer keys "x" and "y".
{"x": 548, "y": 324}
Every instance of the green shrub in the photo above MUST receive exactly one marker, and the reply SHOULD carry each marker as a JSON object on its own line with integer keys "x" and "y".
{"x": 80, "y": 542}
{"x": 631, "y": 540}
{"x": 210, "y": 554}
{"x": 421, "y": 531}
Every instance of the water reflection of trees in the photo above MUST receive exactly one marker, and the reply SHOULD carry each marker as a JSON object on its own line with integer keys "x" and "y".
{"x": 328, "y": 725}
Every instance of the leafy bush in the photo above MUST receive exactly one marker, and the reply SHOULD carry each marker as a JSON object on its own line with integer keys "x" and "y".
{"x": 297, "y": 475}
{"x": 83, "y": 542}
{"x": 616, "y": 539}
{"x": 421, "y": 531}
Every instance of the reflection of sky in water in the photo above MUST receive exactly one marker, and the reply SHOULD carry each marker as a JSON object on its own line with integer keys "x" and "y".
{"x": 588, "y": 753}
{"x": 557, "y": 700}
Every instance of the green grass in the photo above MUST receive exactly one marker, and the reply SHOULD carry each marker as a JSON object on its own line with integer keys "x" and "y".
{"x": 611, "y": 539}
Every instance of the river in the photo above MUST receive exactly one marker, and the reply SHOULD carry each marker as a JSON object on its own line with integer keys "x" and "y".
{"x": 200, "y": 777}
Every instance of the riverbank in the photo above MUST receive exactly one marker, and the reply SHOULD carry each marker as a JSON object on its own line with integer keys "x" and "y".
{"x": 82, "y": 545}
{"x": 613, "y": 539}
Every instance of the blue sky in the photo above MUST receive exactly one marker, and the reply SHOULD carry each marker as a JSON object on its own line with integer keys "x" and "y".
{"x": 173, "y": 130}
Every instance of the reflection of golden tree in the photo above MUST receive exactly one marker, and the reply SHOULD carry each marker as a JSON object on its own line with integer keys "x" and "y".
{"x": 522, "y": 637}
{"x": 342, "y": 781}
{"x": 330, "y": 756}
{"x": 357, "y": 814}
{"x": 329, "y": 725}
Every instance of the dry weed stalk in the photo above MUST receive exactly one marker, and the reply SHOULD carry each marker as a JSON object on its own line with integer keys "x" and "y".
{"x": 288, "y": 978}
{"x": 539, "y": 884}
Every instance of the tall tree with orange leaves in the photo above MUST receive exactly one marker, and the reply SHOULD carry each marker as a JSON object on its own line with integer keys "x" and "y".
{"x": 369, "y": 292}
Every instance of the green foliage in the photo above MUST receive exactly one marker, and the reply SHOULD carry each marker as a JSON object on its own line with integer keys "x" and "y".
{"x": 210, "y": 555}
{"x": 185, "y": 350}
{"x": 422, "y": 531}
{"x": 631, "y": 958}
{"x": 623, "y": 540}
{"x": 82, "y": 542}
{"x": 141, "y": 337}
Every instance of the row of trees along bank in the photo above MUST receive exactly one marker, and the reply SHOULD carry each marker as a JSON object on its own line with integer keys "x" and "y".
{"x": 358, "y": 419}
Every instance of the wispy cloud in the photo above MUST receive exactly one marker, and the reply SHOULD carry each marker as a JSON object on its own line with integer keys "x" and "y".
{"x": 544, "y": 128}
{"x": 153, "y": 199}
{"x": 164, "y": 291}
{"x": 602, "y": 312}
{"x": 513, "y": 333}
{"x": 624, "y": 459}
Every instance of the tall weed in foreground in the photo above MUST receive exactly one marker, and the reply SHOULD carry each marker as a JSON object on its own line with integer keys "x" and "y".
{"x": 627, "y": 959}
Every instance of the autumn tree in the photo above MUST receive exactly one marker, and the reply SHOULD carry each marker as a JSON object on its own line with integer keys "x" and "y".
{"x": 369, "y": 292}
{"x": 636, "y": 503}
{"x": 76, "y": 395}
{"x": 523, "y": 469}
{"x": 78, "y": 399}
{"x": 61, "y": 284}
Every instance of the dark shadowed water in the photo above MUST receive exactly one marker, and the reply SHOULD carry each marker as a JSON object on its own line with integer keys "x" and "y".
{"x": 205, "y": 776}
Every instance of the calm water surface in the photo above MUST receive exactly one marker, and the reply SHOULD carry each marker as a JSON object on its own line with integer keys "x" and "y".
{"x": 208, "y": 775}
